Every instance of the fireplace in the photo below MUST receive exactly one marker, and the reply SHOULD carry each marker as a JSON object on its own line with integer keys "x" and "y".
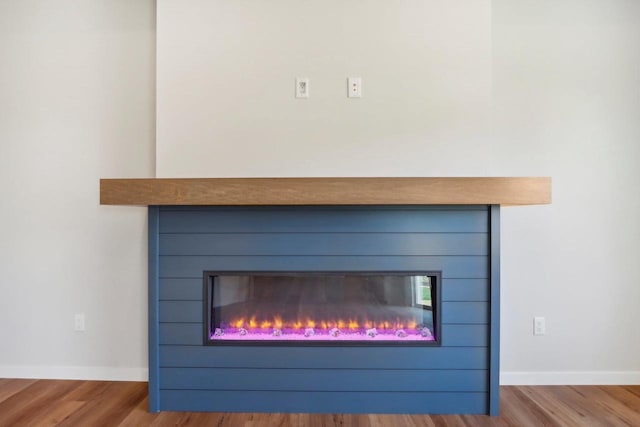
{"x": 241, "y": 295}
{"x": 354, "y": 308}
{"x": 343, "y": 251}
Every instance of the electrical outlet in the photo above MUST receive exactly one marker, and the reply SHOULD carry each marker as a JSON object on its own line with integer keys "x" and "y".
{"x": 354, "y": 87}
{"x": 539, "y": 326}
{"x": 302, "y": 87}
{"x": 78, "y": 322}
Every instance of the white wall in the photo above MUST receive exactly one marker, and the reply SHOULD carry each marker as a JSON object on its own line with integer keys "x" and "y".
{"x": 509, "y": 87}
{"x": 76, "y": 104}
{"x": 567, "y": 104}
{"x": 226, "y": 73}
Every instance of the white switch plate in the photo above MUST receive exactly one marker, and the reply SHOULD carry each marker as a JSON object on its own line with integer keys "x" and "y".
{"x": 78, "y": 322}
{"x": 302, "y": 87}
{"x": 539, "y": 326}
{"x": 354, "y": 87}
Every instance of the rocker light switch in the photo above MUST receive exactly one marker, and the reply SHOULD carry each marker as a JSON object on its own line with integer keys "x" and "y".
{"x": 302, "y": 87}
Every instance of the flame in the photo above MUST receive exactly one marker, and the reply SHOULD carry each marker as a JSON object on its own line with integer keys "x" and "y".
{"x": 326, "y": 324}
{"x": 277, "y": 322}
{"x": 265, "y": 324}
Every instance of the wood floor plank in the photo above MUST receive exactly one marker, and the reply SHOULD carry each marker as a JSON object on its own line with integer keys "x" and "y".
{"x": 110, "y": 407}
{"x": 48, "y": 403}
{"x": 57, "y": 415}
{"x": 34, "y": 401}
{"x": 11, "y": 386}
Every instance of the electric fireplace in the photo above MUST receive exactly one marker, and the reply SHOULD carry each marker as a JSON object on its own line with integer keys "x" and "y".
{"x": 360, "y": 308}
{"x": 327, "y": 275}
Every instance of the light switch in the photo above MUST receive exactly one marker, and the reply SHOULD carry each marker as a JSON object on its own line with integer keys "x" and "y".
{"x": 302, "y": 87}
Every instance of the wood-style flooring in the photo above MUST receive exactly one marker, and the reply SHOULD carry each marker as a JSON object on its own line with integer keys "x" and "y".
{"x": 101, "y": 403}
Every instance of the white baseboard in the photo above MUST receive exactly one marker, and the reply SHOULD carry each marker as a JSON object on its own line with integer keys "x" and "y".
{"x": 571, "y": 378}
{"x": 107, "y": 373}
{"x": 98, "y": 373}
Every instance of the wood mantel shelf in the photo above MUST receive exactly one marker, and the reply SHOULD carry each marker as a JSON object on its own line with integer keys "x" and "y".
{"x": 326, "y": 191}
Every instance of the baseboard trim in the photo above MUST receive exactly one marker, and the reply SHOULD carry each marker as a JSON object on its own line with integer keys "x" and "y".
{"x": 99, "y": 373}
{"x": 106, "y": 373}
{"x": 571, "y": 378}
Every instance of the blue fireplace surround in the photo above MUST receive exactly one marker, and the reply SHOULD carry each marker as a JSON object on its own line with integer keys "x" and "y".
{"x": 459, "y": 377}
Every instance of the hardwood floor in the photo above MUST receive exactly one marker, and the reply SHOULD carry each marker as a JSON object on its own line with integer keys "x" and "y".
{"x": 101, "y": 403}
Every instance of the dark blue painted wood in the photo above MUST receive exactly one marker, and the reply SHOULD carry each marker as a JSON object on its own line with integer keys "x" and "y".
{"x": 465, "y": 289}
{"x": 465, "y": 313}
{"x": 494, "y": 351}
{"x": 181, "y": 311}
{"x": 181, "y": 333}
{"x": 325, "y": 357}
{"x": 465, "y": 335}
{"x": 342, "y": 244}
{"x": 453, "y": 240}
{"x": 451, "y": 266}
{"x": 154, "y": 341}
{"x": 305, "y": 209}
{"x": 181, "y": 289}
{"x": 331, "y": 402}
{"x": 399, "y": 380}
{"x": 453, "y": 335}
{"x": 287, "y": 220}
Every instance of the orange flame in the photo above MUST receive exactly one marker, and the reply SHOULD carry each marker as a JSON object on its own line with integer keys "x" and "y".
{"x": 350, "y": 324}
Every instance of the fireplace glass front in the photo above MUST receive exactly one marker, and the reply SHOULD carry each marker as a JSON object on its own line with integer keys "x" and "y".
{"x": 322, "y": 308}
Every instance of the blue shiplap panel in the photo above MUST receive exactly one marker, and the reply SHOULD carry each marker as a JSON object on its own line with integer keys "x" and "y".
{"x": 448, "y": 379}
{"x": 320, "y": 208}
{"x": 494, "y": 349}
{"x": 453, "y": 335}
{"x": 465, "y": 335}
{"x": 395, "y": 244}
{"x": 181, "y": 311}
{"x": 181, "y": 333}
{"x": 325, "y": 402}
{"x": 465, "y": 312}
{"x": 325, "y": 357}
{"x": 153, "y": 313}
{"x": 465, "y": 290}
{"x": 452, "y": 267}
{"x": 288, "y": 220}
{"x": 181, "y": 289}
{"x": 399, "y": 380}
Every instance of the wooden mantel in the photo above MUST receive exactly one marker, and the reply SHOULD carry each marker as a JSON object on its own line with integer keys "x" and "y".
{"x": 326, "y": 191}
